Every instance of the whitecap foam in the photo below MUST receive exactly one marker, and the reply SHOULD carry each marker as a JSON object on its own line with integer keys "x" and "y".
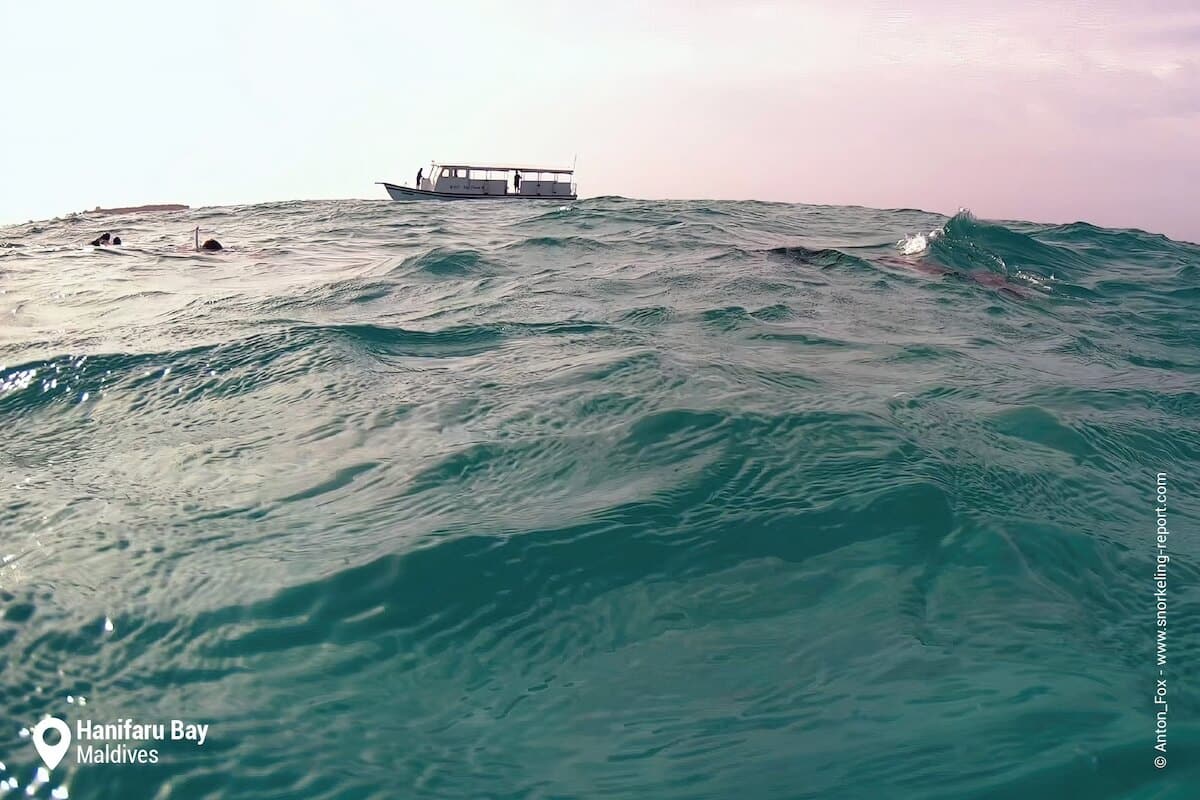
{"x": 911, "y": 245}
{"x": 917, "y": 243}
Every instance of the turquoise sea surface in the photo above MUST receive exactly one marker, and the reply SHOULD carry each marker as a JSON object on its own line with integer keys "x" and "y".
{"x": 617, "y": 499}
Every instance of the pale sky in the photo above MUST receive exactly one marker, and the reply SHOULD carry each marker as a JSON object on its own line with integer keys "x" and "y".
{"x": 1049, "y": 111}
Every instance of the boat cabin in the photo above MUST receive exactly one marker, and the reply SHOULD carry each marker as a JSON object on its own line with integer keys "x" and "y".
{"x": 483, "y": 181}
{"x": 487, "y": 181}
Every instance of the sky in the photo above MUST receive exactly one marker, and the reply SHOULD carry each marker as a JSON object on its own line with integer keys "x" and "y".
{"x": 1046, "y": 111}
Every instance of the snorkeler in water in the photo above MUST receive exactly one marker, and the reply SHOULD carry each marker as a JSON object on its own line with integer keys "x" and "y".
{"x": 211, "y": 245}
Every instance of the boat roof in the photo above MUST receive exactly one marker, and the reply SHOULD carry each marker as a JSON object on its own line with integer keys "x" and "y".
{"x": 498, "y": 168}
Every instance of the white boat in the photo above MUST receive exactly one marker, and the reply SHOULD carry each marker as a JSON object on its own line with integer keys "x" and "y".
{"x": 487, "y": 182}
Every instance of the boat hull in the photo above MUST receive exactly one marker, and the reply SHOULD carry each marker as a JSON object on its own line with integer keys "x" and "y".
{"x": 406, "y": 193}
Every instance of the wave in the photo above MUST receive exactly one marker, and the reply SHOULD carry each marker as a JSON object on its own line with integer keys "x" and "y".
{"x": 824, "y": 258}
{"x": 1043, "y": 254}
{"x": 623, "y": 497}
{"x": 444, "y": 262}
{"x": 581, "y": 243}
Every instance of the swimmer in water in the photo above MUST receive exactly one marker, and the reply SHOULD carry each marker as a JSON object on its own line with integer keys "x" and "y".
{"x": 101, "y": 241}
{"x": 211, "y": 245}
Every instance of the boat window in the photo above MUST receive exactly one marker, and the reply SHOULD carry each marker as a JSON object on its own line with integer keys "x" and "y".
{"x": 462, "y": 173}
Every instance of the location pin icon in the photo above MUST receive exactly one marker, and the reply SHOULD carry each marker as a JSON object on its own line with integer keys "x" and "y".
{"x": 51, "y": 753}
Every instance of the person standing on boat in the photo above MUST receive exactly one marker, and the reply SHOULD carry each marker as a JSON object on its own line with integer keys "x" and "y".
{"x": 419, "y": 172}
{"x": 516, "y": 181}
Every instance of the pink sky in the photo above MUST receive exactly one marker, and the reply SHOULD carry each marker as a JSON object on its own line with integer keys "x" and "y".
{"x": 1043, "y": 111}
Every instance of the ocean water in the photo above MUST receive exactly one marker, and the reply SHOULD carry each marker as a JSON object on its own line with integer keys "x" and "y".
{"x": 616, "y": 499}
